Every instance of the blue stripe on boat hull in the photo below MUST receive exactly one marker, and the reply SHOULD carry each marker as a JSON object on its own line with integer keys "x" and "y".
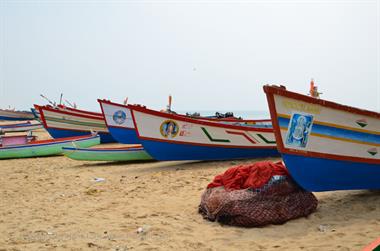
{"x": 338, "y": 132}
{"x": 317, "y": 174}
{"x": 14, "y": 119}
{"x": 63, "y": 133}
{"x": 174, "y": 151}
{"x": 124, "y": 135}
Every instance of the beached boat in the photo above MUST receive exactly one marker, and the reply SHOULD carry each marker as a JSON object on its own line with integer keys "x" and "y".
{"x": 20, "y": 127}
{"x": 120, "y": 124}
{"x": 15, "y": 115}
{"x": 63, "y": 122}
{"x": 325, "y": 145}
{"x": 27, "y": 146}
{"x": 173, "y": 137}
{"x": 129, "y": 153}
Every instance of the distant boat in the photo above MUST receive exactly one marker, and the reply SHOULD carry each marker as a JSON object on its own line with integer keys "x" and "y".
{"x": 175, "y": 137}
{"x": 325, "y": 145}
{"x": 63, "y": 122}
{"x": 20, "y": 127}
{"x": 15, "y": 115}
{"x": 25, "y": 146}
{"x": 129, "y": 153}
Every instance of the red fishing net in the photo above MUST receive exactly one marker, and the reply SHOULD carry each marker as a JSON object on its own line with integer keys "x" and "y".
{"x": 255, "y": 195}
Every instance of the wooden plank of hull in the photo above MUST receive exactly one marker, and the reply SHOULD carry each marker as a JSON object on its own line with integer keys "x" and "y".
{"x": 325, "y": 145}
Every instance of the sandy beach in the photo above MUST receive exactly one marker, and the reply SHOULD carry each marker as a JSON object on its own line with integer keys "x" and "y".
{"x": 54, "y": 203}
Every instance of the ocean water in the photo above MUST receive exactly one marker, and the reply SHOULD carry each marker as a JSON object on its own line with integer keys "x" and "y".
{"x": 242, "y": 114}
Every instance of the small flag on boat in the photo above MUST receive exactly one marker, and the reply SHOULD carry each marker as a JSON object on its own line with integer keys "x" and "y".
{"x": 170, "y": 103}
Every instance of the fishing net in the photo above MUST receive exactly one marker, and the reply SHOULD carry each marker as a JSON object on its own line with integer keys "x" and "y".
{"x": 274, "y": 201}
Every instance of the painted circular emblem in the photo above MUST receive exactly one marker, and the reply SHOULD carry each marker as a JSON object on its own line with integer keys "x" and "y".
{"x": 119, "y": 117}
{"x": 169, "y": 129}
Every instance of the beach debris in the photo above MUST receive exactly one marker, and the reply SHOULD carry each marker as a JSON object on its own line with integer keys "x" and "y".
{"x": 143, "y": 230}
{"x": 90, "y": 245}
{"x": 254, "y": 195}
{"x": 118, "y": 248}
{"x": 99, "y": 179}
{"x": 93, "y": 191}
{"x": 323, "y": 228}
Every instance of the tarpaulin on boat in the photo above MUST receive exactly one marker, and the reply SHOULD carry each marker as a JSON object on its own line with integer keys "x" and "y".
{"x": 255, "y": 195}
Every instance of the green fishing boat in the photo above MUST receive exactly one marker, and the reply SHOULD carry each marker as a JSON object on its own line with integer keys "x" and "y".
{"x": 26, "y": 146}
{"x": 129, "y": 153}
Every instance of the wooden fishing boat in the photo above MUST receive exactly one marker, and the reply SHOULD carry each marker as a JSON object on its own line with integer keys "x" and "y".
{"x": 63, "y": 122}
{"x": 20, "y": 127}
{"x": 172, "y": 137}
{"x": 27, "y": 146}
{"x": 120, "y": 124}
{"x": 325, "y": 145}
{"x": 15, "y": 115}
{"x": 128, "y": 153}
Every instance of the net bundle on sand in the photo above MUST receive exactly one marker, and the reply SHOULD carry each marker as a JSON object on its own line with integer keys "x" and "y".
{"x": 255, "y": 195}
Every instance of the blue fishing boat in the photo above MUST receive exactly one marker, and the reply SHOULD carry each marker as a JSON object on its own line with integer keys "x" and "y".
{"x": 168, "y": 136}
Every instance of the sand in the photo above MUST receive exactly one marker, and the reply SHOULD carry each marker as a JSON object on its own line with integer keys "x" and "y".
{"x": 53, "y": 203}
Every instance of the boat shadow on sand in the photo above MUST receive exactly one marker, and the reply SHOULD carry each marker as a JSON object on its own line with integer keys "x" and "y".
{"x": 112, "y": 163}
{"x": 152, "y": 166}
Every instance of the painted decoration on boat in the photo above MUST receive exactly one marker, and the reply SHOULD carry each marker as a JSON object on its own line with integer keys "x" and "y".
{"x": 119, "y": 117}
{"x": 299, "y": 130}
{"x": 362, "y": 122}
{"x": 169, "y": 129}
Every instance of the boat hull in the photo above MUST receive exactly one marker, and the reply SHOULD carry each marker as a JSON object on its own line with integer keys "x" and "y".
{"x": 46, "y": 149}
{"x": 124, "y": 135}
{"x": 174, "y": 137}
{"x": 320, "y": 174}
{"x": 61, "y": 123}
{"x": 106, "y": 154}
{"x": 24, "y": 127}
{"x": 326, "y": 146}
{"x": 56, "y": 133}
{"x": 166, "y": 151}
{"x": 15, "y": 115}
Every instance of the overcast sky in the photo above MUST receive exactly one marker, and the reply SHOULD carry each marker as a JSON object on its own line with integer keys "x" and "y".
{"x": 210, "y": 55}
